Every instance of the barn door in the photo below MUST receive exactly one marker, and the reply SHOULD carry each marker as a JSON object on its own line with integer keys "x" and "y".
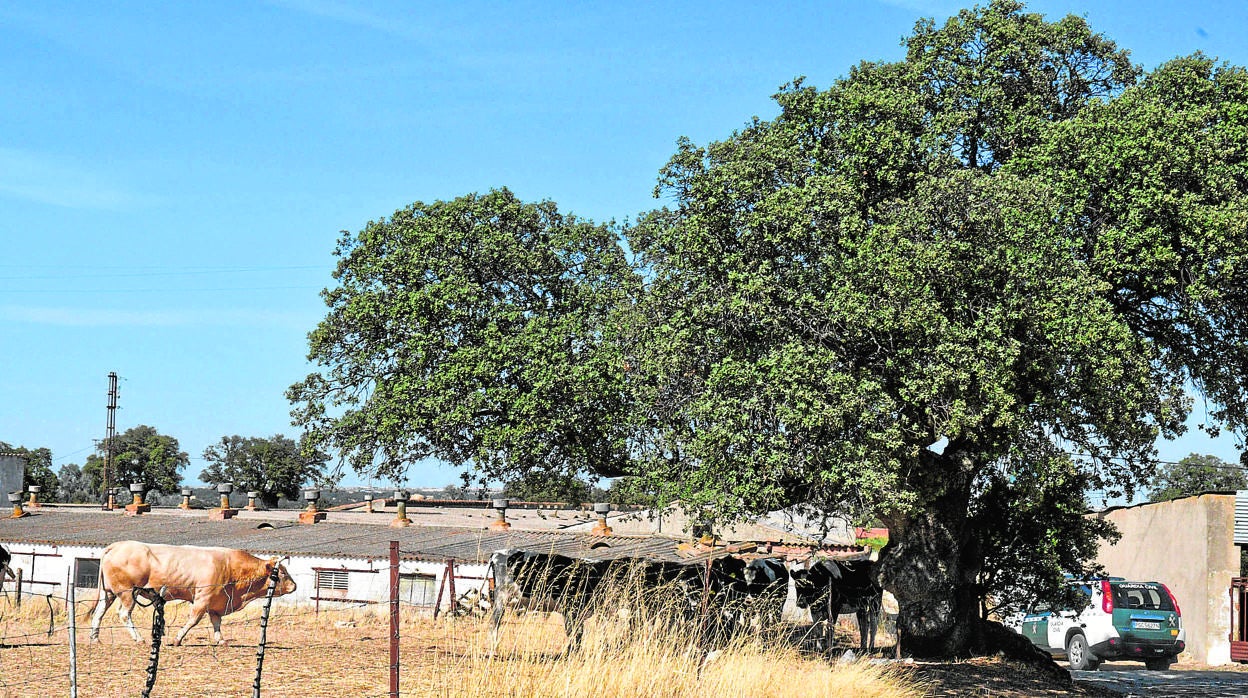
{"x": 1239, "y": 619}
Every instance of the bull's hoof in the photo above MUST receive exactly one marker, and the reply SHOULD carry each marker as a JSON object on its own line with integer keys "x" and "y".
{"x": 223, "y": 642}
{"x": 176, "y": 641}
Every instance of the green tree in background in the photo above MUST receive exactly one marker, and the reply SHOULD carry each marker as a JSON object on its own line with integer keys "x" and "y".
{"x": 140, "y": 454}
{"x": 73, "y": 485}
{"x": 539, "y": 486}
{"x": 473, "y": 331}
{"x": 38, "y": 468}
{"x": 1195, "y": 474}
{"x": 275, "y": 467}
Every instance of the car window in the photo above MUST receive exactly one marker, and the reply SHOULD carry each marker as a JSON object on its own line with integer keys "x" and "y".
{"x": 1148, "y": 597}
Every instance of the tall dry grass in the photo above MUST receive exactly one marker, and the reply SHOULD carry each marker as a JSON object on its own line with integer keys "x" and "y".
{"x": 634, "y": 645}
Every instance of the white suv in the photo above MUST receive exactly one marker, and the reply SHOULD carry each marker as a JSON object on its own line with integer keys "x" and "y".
{"x": 1120, "y": 620}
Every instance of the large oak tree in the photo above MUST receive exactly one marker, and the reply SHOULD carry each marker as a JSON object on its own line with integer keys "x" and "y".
{"x": 1002, "y": 245}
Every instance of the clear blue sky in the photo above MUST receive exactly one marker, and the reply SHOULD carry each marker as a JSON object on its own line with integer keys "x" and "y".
{"x": 173, "y": 176}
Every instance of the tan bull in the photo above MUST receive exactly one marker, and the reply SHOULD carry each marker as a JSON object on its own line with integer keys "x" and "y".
{"x": 216, "y": 581}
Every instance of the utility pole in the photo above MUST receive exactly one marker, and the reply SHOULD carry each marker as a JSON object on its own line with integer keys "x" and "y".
{"x": 108, "y": 443}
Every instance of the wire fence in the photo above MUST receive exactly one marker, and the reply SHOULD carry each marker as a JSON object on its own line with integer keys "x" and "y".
{"x": 44, "y": 650}
{"x": 382, "y": 647}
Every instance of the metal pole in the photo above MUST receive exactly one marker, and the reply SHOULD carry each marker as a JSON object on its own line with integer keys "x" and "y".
{"x": 19, "y": 589}
{"x": 264, "y": 627}
{"x": 394, "y": 619}
{"x": 111, "y": 432}
{"x": 73, "y": 637}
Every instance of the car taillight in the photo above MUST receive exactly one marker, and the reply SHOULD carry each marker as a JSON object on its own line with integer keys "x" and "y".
{"x": 1173, "y": 601}
{"x": 1107, "y": 597}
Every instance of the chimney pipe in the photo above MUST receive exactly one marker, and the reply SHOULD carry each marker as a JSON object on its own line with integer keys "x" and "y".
{"x": 15, "y": 498}
{"x": 186, "y": 498}
{"x": 400, "y": 516}
{"x": 311, "y": 515}
{"x": 601, "y": 509}
{"x": 500, "y": 523}
{"x": 224, "y": 511}
{"x": 251, "y": 500}
{"x": 137, "y": 506}
{"x": 368, "y": 502}
{"x": 34, "y": 496}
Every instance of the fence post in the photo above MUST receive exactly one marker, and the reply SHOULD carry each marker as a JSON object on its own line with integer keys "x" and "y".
{"x": 437, "y": 604}
{"x": 19, "y": 589}
{"x": 158, "y": 631}
{"x": 70, "y": 600}
{"x": 394, "y": 619}
{"x": 450, "y": 574}
{"x": 264, "y": 626}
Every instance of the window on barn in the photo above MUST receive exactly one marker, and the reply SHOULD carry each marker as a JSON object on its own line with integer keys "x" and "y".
{"x": 418, "y": 589}
{"x": 331, "y": 580}
{"x": 86, "y": 573}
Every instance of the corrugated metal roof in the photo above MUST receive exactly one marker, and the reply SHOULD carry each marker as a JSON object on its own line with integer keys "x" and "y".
{"x": 96, "y": 528}
{"x": 1241, "y": 517}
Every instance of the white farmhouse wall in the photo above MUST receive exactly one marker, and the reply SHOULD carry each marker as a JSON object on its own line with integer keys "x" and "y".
{"x": 51, "y": 569}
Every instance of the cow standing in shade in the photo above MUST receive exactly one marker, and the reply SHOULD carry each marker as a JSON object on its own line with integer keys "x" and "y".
{"x": 830, "y": 587}
{"x": 217, "y": 581}
{"x": 520, "y": 580}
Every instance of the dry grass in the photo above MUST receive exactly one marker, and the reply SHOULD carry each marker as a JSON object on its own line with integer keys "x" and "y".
{"x": 345, "y": 652}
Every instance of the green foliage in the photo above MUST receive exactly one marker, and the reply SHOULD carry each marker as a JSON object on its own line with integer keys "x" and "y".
{"x": 476, "y": 331}
{"x": 630, "y": 491}
{"x": 38, "y": 467}
{"x": 1196, "y": 474}
{"x": 873, "y": 542}
{"x": 73, "y": 486}
{"x": 275, "y": 467}
{"x": 1001, "y": 240}
{"x": 140, "y": 454}
{"x": 1031, "y": 510}
{"x": 538, "y": 486}
{"x": 1007, "y": 241}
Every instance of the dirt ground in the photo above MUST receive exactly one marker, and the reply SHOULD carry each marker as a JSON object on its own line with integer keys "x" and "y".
{"x": 336, "y": 654}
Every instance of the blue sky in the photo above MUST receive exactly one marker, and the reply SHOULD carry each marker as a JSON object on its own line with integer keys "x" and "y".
{"x": 173, "y": 176}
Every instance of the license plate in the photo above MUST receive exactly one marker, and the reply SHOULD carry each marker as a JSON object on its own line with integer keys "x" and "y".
{"x": 1147, "y": 625}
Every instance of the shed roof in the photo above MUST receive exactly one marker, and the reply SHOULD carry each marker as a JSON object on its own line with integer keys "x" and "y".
{"x": 354, "y": 537}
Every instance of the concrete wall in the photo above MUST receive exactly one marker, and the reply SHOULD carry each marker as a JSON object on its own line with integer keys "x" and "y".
{"x": 1188, "y": 545}
{"x": 12, "y": 468}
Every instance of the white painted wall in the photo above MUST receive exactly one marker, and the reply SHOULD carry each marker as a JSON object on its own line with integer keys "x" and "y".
{"x": 49, "y": 572}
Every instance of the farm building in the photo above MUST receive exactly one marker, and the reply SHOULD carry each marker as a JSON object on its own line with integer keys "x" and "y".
{"x": 344, "y": 559}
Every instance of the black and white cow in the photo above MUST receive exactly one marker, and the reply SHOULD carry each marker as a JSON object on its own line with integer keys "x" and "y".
{"x": 831, "y": 587}
{"x": 5, "y": 558}
{"x": 746, "y": 594}
{"x": 522, "y": 580}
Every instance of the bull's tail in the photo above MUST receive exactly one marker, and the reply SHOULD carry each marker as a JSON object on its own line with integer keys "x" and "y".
{"x": 103, "y": 599}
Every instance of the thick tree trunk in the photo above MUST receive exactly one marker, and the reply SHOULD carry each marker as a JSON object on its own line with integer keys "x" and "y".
{"x": 932, "y": 563}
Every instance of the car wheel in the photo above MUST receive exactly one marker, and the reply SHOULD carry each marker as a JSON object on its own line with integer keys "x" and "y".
{"x": 1158, "y": 664}
{"x": 1079, "y": 655}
